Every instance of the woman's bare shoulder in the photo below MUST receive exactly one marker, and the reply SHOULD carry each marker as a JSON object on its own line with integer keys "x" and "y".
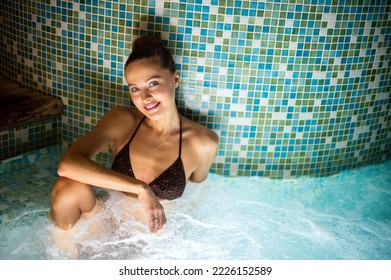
{"x": 121, "y": 116}
{"x": 199, "y": 135}
{"x": 117, "y": 123}
{"x": 201, "y": 147}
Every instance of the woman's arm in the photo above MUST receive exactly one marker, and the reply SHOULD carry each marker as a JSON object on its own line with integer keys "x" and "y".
{"x": 77, "y": 164}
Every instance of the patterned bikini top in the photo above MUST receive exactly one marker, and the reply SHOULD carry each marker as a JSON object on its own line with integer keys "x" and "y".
{"x": 168, "y": 185}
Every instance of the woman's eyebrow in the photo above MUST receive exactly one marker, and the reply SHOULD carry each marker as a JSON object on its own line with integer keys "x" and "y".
{"x": 150, "y": 78}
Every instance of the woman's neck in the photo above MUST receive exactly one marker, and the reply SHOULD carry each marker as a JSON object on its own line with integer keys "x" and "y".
{"x": 165, "y": 125}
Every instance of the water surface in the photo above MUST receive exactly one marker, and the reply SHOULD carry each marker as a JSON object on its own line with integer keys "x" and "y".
{"x": 344, "y": 216}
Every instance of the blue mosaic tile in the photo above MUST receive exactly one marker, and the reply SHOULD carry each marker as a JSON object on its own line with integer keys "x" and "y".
{"x": 308, "y": 83}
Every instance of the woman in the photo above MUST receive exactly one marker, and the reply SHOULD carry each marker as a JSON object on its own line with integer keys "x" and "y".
{"x": 156, "y": 151}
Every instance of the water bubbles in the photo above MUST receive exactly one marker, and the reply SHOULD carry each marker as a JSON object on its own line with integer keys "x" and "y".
{"x": 345, "y": 216}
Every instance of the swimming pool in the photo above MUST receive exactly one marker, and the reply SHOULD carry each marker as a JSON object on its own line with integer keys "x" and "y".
{"x": 344, "y": 216}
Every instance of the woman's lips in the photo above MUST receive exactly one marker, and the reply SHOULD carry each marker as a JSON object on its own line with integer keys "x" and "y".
{"x": 151, "y": 107}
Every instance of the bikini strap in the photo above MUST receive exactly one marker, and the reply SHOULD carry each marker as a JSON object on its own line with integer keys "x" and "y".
{"x": 180, "y": 136}
{"x": 138, "y": 126}
{"x": 180, "y": 133}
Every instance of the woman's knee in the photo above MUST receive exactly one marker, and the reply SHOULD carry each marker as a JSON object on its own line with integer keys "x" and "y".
{"x": 69, "y": 199}
{"x": 69, "y": 187}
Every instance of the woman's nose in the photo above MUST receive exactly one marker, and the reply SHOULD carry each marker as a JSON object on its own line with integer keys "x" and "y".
{"x": 146, "y": 94}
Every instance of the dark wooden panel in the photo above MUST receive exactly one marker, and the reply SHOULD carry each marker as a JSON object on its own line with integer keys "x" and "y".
{"x": 21, "y": 106}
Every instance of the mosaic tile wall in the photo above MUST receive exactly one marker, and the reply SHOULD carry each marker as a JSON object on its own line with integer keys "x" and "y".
{"x": 27, "y": 138}
{"x": 292, "y": 87}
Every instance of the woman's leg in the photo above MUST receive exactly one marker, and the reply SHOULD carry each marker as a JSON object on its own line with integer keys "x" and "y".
{"x": 70, "y": 199}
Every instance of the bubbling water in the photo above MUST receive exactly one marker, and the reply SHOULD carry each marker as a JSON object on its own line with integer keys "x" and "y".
{"x": 345, "y": 216}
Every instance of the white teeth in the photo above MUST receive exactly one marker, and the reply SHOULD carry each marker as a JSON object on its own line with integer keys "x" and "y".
{"x": 151, "y": 106}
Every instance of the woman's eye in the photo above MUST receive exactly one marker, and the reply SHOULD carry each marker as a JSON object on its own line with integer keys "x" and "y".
{"x": 133, "y": 90}
{"x": 153, "y": 83}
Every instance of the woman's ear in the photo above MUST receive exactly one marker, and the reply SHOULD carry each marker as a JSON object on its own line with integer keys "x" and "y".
{"x": 177, "y": 78}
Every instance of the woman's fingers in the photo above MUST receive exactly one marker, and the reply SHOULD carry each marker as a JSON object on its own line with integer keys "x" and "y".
{"x": 155, "y": 211}
{"x": 157, "y": 219}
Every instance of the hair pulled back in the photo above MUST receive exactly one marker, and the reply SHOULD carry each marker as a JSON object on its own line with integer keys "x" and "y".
{"x": 151, "y": 48}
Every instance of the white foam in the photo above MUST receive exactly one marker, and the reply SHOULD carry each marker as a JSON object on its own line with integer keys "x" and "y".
{"x": 345, "y": 216}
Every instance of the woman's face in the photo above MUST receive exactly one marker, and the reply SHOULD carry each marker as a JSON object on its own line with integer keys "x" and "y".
{"x": 151, "y": 87}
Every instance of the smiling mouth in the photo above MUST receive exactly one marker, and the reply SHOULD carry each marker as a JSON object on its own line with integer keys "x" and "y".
{"x": 152, "y": 106}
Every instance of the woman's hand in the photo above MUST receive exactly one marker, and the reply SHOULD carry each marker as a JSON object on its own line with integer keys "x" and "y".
{"x": 153, "y": 208}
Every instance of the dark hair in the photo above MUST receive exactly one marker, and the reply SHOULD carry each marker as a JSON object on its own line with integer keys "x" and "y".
{"x": 152, "y": 48}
